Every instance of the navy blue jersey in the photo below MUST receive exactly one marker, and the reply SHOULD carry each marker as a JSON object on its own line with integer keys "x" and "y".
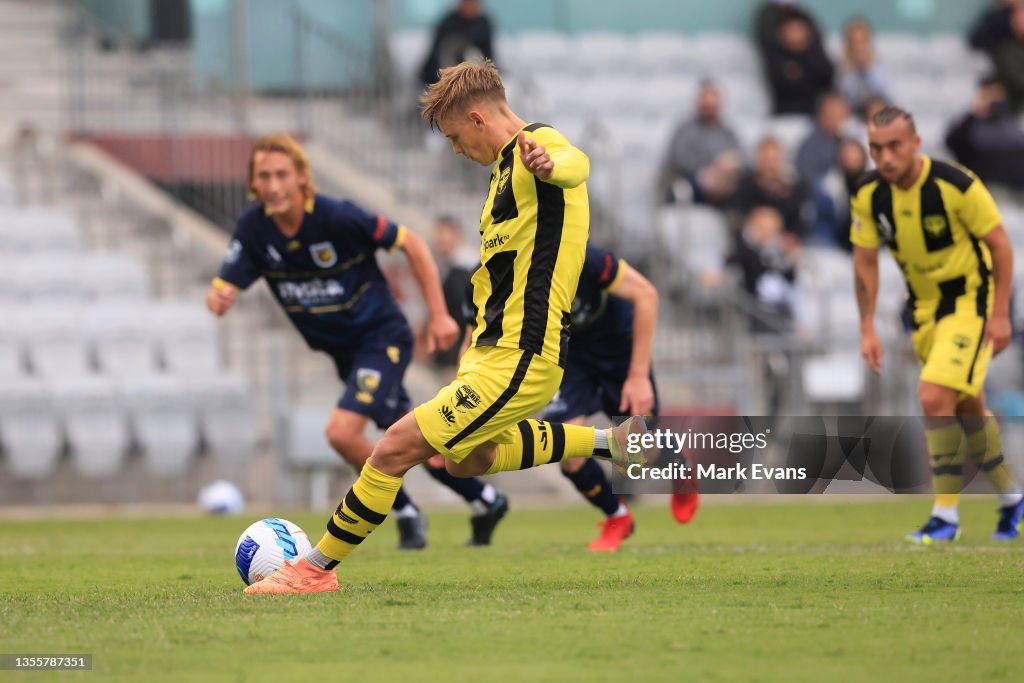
{"x": 326, "y": 276}
{"x": 602, "y": 323}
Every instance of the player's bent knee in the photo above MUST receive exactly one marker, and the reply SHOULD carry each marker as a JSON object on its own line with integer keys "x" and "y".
{"x": 402, "y": 448}
{"x": 470, "y": 467}
{"x": 936, "y": 400}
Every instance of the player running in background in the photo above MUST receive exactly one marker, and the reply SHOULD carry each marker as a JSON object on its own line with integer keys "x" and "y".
{"x": 534, "y": 228}
{"x": 944, "y": 230}
{"x": 609, "y": 370}
{"x": 317, "y": 254}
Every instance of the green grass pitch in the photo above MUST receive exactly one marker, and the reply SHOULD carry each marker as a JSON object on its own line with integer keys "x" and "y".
{"x": 747, "y": 592}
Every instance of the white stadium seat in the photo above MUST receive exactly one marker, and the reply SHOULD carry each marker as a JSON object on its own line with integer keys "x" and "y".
{"x": 39, "y": 229}
{"x": 227, "y": 415}
{"x": 163, "y": 422}
{"x": 108, "y": 276}
{"x": 187, "y": 336}
{"x": 122, "y": 337}
{"x": 29, "y": 428}
{"x": 53, "y": 340}
{"x": 95, "y": 424}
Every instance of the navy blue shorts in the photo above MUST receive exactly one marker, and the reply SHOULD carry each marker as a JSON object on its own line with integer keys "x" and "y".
{"x": 373, "y": 382}
{"x": 591, "y": 387}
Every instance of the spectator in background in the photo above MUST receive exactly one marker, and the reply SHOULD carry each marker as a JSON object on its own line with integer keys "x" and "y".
{"x": 992, "y": 27}
{"x": 465, "y": 33}
{"x": 989, "y": 140}
{"x": 861, "y": 78}
{"x": 832, "y": 224}
{"x": 456, "y": 262}
{"x": 766, "y": 257}
{"x": 696, "y": 144}
{"x": 771, "y": 182}
{"x": 1009, "y": 60}
{"x": 798, "y": 69}
{"x": 819, "y": 152}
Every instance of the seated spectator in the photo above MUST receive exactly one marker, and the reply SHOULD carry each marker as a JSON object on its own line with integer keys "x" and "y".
{"x": 861, "y": 78}
{"x": 456, "y": 262}
{"x": 798, "y": 69}
{"x": 989, "y": 140}
{"x": 695, "y": 144}
{"x": 832, "y": 224}
{"x": 771, "y": 182}
{"x": 1009, "y": 60}
{"x": 464, "y": 33}
{"x": 766, "y": 258}
{"x": 993, "y": 26}
{"x": 819, "y": 152}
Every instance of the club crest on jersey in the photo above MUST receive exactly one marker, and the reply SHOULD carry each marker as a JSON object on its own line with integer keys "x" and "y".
{"x": 466, "y": 398}
{"x": 935, "y": 225}
{"x": 323, "y": 254}
{"x": 503, "y": 179}
{"x": 368, "y": 381}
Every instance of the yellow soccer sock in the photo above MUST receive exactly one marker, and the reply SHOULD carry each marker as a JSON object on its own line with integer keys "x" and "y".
{"x": 536, "y": 443}
{"x": 365, "y": 507}
{"x": 947, "y": 451}
{"x": 985, "y": 447}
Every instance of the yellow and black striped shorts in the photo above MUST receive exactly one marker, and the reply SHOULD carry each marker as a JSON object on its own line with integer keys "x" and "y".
{"x": 495, "y": 389}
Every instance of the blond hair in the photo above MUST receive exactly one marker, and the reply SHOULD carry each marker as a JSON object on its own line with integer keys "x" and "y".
{"x": 459, "y": 87}
{"x": 285, "y": 144}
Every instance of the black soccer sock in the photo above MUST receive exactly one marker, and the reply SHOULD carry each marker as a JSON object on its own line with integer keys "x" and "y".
{"x": 593, "y": 485}
{"x": 402, "y": 499}
{"x": 470, "y": 488}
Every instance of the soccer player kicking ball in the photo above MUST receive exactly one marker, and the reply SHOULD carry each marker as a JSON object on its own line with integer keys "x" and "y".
{"x": 317, "y": 255}
{"x": 609, "y": 369}
{"x": 534, "y": 228}
{"x": 945, "y": 232}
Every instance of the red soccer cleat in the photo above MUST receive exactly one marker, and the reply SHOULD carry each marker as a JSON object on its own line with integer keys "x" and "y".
{"x": 614, "y": 531}
{"x": 684, "y": 506}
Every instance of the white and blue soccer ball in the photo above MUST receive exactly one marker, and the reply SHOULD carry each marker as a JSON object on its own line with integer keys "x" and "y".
{"x": 263, "y": 547}
{"x": 221, "y": 498}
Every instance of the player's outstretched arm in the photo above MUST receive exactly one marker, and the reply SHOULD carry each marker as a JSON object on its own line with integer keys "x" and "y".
{"x": 556, "y": 161}
{"x": 997, "y": 329}
{"x": 442, "y": 330}
{"x": 865, "y": 269}
{"x": 637, "y": 392}
{"x": 220, "y": 297}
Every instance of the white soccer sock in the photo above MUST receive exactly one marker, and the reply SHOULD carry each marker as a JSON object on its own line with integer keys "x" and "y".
{"x": 621, "y": 512}
{"x": 481, "y": 505}
{"x": 489, "y": 494}
{"x": 1011, "y": 497}
{"x": 946, "y": 514}
{"x": 408, "y": 512}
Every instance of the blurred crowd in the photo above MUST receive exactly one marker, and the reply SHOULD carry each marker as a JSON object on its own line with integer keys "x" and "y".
{"x": 777, "y": 199}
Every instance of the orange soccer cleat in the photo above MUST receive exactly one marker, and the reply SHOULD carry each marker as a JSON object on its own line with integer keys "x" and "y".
{"x": 614, "y": 531}
{"x": 300, "y": 576}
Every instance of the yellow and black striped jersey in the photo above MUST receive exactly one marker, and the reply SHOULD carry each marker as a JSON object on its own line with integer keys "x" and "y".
{"x": 533, "y": 239}
{"x": 933, "y": 229}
